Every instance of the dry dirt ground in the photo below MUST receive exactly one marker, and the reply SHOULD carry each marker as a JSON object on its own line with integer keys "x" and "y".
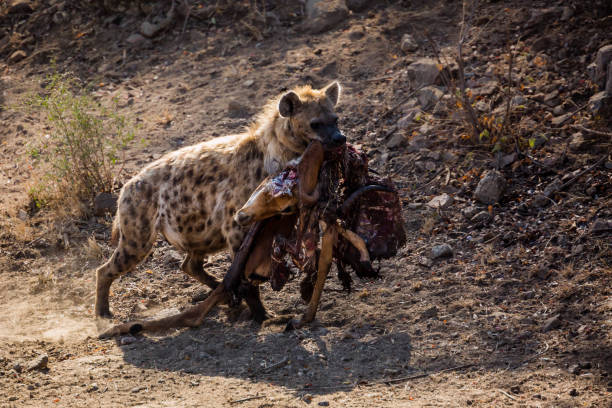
{"x": 519, "y": 315}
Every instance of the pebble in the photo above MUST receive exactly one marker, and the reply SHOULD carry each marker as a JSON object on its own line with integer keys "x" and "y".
{"x": 490, "y": 188}
{"x": 481, "y": 217}
{"x": 442, "y": 201}
{"x": 424, "y": 261}
{"x": 39, "y": 363}
{"x": 441, "y": 251}
{"x": 551, "y": 323}
{"x": 429, "y": 313}
{"x": 135, "y": 39}
{"x": 408, "y": 43}
{"x": 324, "y": 404}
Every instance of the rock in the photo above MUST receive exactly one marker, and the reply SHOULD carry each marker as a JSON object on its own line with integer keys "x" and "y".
{"x": 19, "y": 7}
{"x": 559, "y": 120}
{"x": 39, "y": 363}
{"x": 408, "y": 118}
{"x": 429, "y": 96}
{"x": 61, "y": 17}
{"x": 324, "y": 404}
{"x": 248, "y": 83}
{"x": 574, "y": 393}
{"x": 355, "y": 35}
{"x": 307, "y": 398}
{"x": 551, "y": 323}
{"x": 574, "y": 369}
{"x": 236, "y": 109}
{"x": 92, "y": 387}
{"x": 357, "y": 5}
{"x": 441, "y": 251}
{"x": 17, "y": 56}
{"x": 481, "y": 217}
{"x": 441, "y": 201}
{"x": 424, "y": 261}
{"x": 542, "y": 43}
{"x": 423, "y": 72}
{"x": 577, "y": 142}
{"x": 540, "y": 200}
{"x": 149, "y": 29}
{"x": 135, "y": 39}
{"x": 449, "y": 157}
{"x": 518, "y": 100}
{"x": 490, "y": 188}
{"x": 429, "y": 313}
{"x": 558, "y": 110}
{"x": 552, "y": 187}
{"x": 18, "y": 367}
{"x": 601, "y": 104}
{"x": 408, "y": 43}
{"x": 417, "y": 143}
{"x": 486, "y": 88}
{"x": 603, "y": 58}
{"x": 104, "y": 203}
{"x": 609, "y": 80}
{"x": 136, "y": 390}
{"x": 470, "y": 211}
{"x": 396, "y": 140}
{"x": 567, "y": 13}
{"x": 323, "y": 15}
{"x": 601, "y": 226}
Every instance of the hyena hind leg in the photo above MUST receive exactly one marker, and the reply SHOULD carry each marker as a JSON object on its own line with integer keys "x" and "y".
{"x": 193, "y": 266}
{"x": 124, "y": 259}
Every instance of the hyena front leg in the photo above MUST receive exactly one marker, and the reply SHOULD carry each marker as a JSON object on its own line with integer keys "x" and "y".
{"x": 124, "y": 259}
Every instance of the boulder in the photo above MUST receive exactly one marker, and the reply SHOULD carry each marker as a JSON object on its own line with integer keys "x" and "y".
{"x": 323, "y": 15}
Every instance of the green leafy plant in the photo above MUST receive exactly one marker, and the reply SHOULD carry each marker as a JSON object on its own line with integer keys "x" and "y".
{"x": 83, "y": 152}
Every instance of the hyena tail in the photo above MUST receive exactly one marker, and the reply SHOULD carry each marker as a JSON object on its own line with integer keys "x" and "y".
{"x": 115, "y": 230}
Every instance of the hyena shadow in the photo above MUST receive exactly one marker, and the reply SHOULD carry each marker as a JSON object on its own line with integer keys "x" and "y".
{"x": 319, "y": 360}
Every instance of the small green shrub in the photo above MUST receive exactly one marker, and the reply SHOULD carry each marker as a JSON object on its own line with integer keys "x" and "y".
{"x": 81, "y": 155}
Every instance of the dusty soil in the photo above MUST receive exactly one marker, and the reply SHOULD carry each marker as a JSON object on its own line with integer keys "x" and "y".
{"x": 519, "y": 315}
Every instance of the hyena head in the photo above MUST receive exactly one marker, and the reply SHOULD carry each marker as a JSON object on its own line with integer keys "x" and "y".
{"x": 311, "y": 115}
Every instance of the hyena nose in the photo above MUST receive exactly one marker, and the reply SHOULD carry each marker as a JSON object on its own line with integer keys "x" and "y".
{"x": 338, "y": 138}
{"x": 242, "y": 218}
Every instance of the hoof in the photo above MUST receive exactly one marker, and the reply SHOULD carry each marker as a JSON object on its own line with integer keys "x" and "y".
{"x": 135, "y": 328}
{"x": 292, "y": 325}
{"x": 259, "y": 318}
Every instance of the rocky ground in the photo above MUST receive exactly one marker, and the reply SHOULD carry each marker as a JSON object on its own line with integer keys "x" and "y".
{"x": 502, "y": 296}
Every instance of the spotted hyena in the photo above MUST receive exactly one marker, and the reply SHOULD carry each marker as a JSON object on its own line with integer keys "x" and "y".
{"x": 190, "y": 195}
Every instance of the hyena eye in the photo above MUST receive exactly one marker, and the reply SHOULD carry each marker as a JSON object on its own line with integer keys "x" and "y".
{"x": 315, "y": 125}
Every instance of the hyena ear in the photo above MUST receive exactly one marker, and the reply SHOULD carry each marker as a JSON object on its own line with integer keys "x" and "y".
{"x": 289, "y": 104}
{"x": 332, "y": 91}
